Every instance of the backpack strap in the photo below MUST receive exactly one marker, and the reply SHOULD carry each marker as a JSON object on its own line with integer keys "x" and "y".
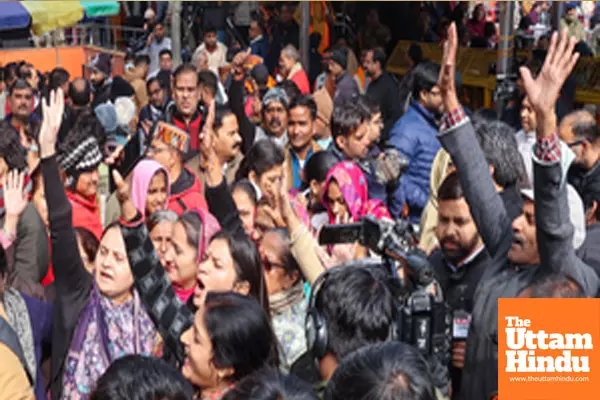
{"x": 9, "y": 337}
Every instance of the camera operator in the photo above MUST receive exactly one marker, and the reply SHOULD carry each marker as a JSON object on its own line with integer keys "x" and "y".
{"x": 458, "y": 265}
{"x": 353, "y": 306}
{"x": 539, "y": 242}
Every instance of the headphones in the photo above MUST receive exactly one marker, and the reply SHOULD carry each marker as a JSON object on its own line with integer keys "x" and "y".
{"x": 316, "y": 329}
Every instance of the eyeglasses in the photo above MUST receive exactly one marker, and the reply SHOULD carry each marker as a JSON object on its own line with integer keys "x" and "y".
{"x": 155, "y": 150}
{"x": 269, "y": 265}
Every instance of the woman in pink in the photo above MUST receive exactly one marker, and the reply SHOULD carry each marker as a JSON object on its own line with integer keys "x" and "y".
{"x": 346, "y": 195}
{"x": 150, "y": 187}
{"x": 191, "y": 235}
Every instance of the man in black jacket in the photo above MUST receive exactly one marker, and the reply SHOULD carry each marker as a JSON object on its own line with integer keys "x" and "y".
{"x": 100, "y": 72}
{"x": 535, "y": 244}
{"x": 383, "y": 89}
{"x": 458, "y": 264}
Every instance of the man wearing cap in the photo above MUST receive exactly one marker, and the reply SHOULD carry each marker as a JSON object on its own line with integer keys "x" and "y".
{"x": 100, "y": 71}
{"x": 186, "y": 188}
{"x": 538, "y": 242}
{"x": 275, "y": 107}
{"x": 345, "y": 87}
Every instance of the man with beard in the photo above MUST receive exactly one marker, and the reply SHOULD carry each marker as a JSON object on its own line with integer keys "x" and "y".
{"x": 415, "y": 137}
{"x": 459, "y": 264}
{"x": 100, "y": 70}
{"x": 302, "y": 146}
{"x": 539, "y": 241}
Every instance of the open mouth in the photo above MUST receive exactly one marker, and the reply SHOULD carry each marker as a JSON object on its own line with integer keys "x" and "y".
{"x": 105, "y": 275}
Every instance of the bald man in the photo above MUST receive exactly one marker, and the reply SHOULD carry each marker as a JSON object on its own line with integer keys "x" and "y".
{"x": 580, "y": 132}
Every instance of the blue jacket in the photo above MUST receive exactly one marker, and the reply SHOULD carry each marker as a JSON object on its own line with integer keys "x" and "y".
{"x": 415, "y": 136}
{"x": 260, "y": 47}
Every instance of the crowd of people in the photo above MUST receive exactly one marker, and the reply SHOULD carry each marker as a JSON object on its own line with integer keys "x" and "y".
{"x": 136, "y": 263}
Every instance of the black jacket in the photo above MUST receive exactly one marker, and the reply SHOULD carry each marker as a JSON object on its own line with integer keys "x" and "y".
{"x": 384, "y": 90}
{"x": 73, "y": 283}
{"x": 458, "y": 286}
{"x": 346, "y": 89}
{"x": 102, "y": 94}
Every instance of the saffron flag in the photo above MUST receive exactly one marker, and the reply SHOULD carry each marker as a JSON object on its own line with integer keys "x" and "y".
{"x": 548, "y": 349}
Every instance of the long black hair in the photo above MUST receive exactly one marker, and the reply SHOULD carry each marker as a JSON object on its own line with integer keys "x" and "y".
{"x": 240, "y": 333}
{"x": 248, "y": 265}
{"x": 262, "y": 156}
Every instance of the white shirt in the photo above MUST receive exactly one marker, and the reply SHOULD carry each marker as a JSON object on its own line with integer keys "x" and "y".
{"x": 216, "y": 59}
{"x": 154, "y": 52}
{"x": 525, "y": 143}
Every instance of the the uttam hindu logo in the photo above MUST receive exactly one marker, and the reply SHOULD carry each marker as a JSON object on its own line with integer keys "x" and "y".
{"x": 548, "y": 349}
{"x": 524, "y": 342}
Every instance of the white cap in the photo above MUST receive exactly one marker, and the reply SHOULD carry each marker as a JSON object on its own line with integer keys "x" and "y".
{"x": 576, "y": 213}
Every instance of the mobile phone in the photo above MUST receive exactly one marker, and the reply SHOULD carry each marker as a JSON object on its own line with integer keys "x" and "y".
{"x": 131, "y": 154}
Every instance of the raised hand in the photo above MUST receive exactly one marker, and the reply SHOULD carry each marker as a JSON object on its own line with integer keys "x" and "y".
{"x": 128, "y": 210}
{"x": 52, "y": 115}
{"x": 238, "y": 63}
{"x": 447, "y": 78}
{"x": 544, "y": 90}
{"x": 15, "y": 198}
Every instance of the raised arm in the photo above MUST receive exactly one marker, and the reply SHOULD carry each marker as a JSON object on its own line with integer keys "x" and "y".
{"x": 458, "y": 138}
{"x": 551, "y": 162}
{"x": 217, "y": 194}
{"x": 70, "y": 277}
{"x": 18, "y": 240}
{"x": 236, "y": 101}
{"x": 168, "y": 313}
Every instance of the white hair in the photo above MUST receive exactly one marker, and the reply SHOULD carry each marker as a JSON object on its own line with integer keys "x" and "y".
{"x": 291, "y": 52}
{"x": 125, "y": 109}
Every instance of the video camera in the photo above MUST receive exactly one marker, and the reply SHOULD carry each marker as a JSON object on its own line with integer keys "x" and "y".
{"x": 425, "y": 318}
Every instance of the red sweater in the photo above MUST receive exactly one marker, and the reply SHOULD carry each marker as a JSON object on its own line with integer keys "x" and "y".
{"x": 189, "y": 198}
{"x": 86, "y": 213}
{"x": 301, "y": 80}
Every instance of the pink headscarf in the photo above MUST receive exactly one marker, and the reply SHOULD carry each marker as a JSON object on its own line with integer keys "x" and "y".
{"x": 142, "y": 175}
{"x": 354, "y": 188}
{"x": 209, "y": 227}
